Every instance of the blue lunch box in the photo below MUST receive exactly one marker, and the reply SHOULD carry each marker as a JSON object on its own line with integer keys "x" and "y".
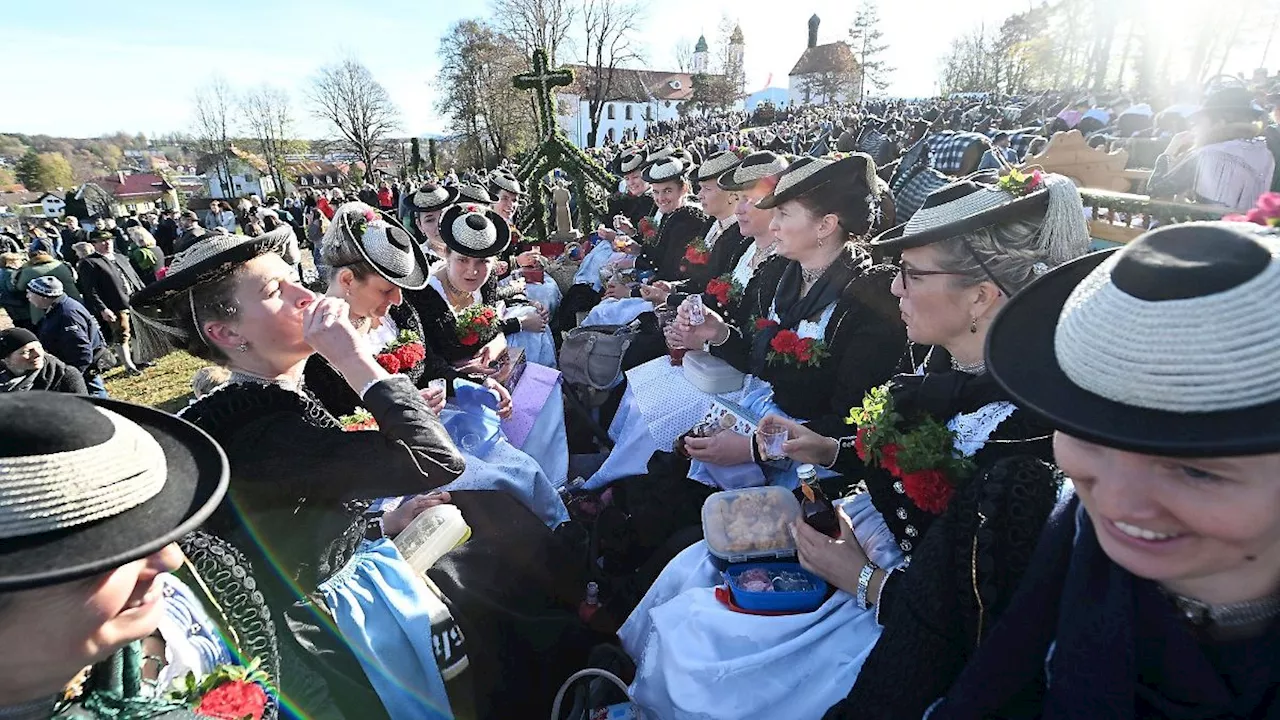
{"x": 788, "y": 601}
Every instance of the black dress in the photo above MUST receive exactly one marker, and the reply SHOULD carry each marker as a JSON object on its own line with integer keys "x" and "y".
{"x": 964, "y": 563}
{"x": 632, "y": 207}
{"x": 664, "y": 253}
{"x": 300, "y": 487}
{"x": 439, "y": 324}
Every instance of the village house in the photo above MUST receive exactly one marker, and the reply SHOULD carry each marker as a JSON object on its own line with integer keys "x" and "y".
{"x": 824, "y": 73}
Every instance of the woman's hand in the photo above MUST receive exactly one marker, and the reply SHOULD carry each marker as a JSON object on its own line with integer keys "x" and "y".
{"x": 655, "y": 293}
{"x": 326, "y": 326}
{"x": 623, "y": 225}
{"x": 616, "y": 291}
{"x": 395, "y": 521}
{"x": 435, "y": 399}
{"x": 683, "y": 334}
{"x": 504, "y": 397}
{"x": 839, "y": 562}
{"x": 542, "y": 310}
{"x": 724, "y": 448}
{"x": 533, "y": 323}
{"x": 802, "y": 445}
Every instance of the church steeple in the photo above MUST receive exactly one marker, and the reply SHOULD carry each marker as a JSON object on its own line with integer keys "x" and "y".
{"x": 813, "y": 30}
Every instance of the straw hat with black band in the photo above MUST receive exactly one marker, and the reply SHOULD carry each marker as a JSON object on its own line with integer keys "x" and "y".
{"x": 1168, "y": 346}
{"x": 470, "y": 193}
{"x": 88, "y": 485}
{"x": 969, "y": 205}
{"x": 387, "y": 248}
{"x": 718, "y": 164}
{"x": 430, "y": 197}
{"x": 669, "y": 170}
{"x": 628, "y": 162}
{"x": 474, "y": 231}
{"x": 506, "y": 181}
{"x": 753, "y": 168}
{"x": 213, "y": 258}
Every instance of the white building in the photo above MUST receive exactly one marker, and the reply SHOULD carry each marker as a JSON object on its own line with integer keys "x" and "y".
{"x": 54, "y": 206}
{"x": 824, "y": 73}
{"x": 248, "y": 173}
{"x": 638, "y": 97}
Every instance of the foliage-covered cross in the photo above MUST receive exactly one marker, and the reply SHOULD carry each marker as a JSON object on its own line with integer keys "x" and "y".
{"x": 541, "y": 80}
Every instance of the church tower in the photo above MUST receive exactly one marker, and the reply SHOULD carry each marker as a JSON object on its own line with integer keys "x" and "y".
{"x": 737, "y": 50}
{"x": 700, "y": 66}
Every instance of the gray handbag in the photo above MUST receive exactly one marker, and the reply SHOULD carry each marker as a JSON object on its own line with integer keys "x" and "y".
{"x": 591, "y": 357}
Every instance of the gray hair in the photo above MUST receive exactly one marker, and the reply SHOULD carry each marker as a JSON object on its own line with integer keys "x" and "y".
{"x": 1010, "y": 251}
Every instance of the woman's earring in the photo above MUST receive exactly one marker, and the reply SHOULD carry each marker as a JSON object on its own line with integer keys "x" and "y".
{"x": 973, "y": 325}
{"x": 821, "y": 242}
{"x": 243, "y": 347}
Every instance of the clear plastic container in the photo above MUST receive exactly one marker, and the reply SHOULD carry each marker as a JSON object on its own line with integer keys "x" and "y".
{"x": 435, "y": 532}
{"x": 710, "y": 374}
{"x": 750, "y": 524}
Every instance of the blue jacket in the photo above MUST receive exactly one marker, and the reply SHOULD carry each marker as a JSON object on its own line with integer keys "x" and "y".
{"x": 70, "y": 333}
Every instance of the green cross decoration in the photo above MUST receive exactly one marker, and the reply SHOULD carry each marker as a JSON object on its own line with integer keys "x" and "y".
{"x": 541, "y": 81}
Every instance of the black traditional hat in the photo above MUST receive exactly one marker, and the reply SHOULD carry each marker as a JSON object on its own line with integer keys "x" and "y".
{"x": 388, "y": 248}
{"x": 628, "y": 162}
{"x": 968, "y": 205}
{"x": 662, "y": 153}
{"x": 430, "y": 197}
{"x": 719, "y": 164}
{"x": 808, "y": 173}
{"x": 214, "y": 257}
{"x": 473, "y": 194}
{"x": 671, "y": 169}
{"x": 474, "y": 230}
{"x": 504, "y": 180}
{"x": 1228, "y": 103}
{"x": 88, "y": 485}
{"x": 1167, "y": 347}
{"x": 753, "y": 168}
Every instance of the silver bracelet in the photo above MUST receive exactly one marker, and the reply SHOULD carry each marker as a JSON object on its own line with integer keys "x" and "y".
{"x": 864, "y": 580}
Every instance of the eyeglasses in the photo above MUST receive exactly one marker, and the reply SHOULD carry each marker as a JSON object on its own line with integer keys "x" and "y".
{"x": 911, "y": 274}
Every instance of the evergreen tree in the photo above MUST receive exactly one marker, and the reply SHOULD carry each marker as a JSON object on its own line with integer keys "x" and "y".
{"x": 28, "y": 170}
{"x": 415, "y": 156}
{"x": 865, "y": 37}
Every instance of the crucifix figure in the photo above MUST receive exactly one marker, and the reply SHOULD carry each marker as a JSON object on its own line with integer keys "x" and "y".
{"x": 541, "y": 81}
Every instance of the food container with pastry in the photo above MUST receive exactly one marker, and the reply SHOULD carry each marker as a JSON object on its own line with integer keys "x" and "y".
{"x": 750, "y": 524}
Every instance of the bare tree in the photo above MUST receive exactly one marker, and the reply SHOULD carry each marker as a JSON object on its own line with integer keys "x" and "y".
{"x": 610, "y": 28}
{"x": 477, "y": 94}
{"x": 684, "y": 55}
{"x": 534, "y": 24}
{"x": 865, "y": 39}
{"x": 357, "y": 106}
{"x": 270, "y": 121}
{"x": 214, "y": 126}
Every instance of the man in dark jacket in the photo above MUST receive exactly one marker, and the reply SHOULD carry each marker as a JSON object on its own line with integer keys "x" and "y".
{"x": 191, "y": 232}
{"x": 166, "y": 232}
{"x": 72, "y": 233}
{"x": 68, "y": 331}
{"x": 107, "y": 279}
{"x": 24, "y": 366}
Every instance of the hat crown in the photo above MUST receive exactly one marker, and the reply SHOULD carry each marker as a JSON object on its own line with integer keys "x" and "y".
{"x": 43, "y": 424}
{"x": 1181, "y": 261}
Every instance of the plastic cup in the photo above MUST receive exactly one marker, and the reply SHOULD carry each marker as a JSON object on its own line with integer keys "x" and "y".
{"x": 470, "y": 442}
{"x": 438, "y": 384}
{"x": 774, "y": 437}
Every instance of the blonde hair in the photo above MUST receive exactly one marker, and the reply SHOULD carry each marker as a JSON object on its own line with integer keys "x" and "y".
{"x": 12, "y": 259}
{"x": 141, "y": 236}
{"x": 209, "y": 378}
{"x": 82, "y": 249}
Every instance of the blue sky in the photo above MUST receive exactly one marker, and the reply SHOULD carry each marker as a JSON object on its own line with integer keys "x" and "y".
{"x": 133, "y": 65}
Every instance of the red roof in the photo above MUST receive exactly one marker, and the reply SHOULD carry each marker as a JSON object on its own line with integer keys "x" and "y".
{"x": 632, "y": 85}
{"x": 136, "y": 185}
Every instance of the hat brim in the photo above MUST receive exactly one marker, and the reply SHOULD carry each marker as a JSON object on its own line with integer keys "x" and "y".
{"x": 895, "y": 238}
{"x": 158, "y": 293}
{"x": 415, "y": 280}
{"x": 1021, "y": 358}
{"x": 196, "y": 481}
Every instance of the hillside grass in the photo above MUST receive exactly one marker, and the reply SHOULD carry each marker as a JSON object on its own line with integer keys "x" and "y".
{"x": 167, "y": 386}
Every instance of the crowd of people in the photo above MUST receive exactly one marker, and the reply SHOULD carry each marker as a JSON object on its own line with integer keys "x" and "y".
{"x": 1033, "y": 478}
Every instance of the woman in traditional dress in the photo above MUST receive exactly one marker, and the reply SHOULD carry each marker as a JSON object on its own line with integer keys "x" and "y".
{"x": 97, "y": 494}
{"x": 1155, "y": 590}
{"x": 372, "y": 264}
{"x": 387, "y": 643}
{"x": 920, "y": 577}
{"x": 466, "y": 323}
{"x": 426, "y": 204}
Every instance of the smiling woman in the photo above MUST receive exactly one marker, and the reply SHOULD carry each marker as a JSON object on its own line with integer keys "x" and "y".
{"x": 1165, "y": 409}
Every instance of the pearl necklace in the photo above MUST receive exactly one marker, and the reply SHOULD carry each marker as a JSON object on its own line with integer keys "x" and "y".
{"x": 975, "y": 369}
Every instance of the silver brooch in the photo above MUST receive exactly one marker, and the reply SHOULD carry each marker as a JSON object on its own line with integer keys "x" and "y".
{"x": 1039, "y": 269}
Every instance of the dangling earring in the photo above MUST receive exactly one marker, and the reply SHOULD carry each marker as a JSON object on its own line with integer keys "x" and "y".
{"x": 973, "y": 325}
{"x": 822, "y": 241}
{"x": 243, "y": 347}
